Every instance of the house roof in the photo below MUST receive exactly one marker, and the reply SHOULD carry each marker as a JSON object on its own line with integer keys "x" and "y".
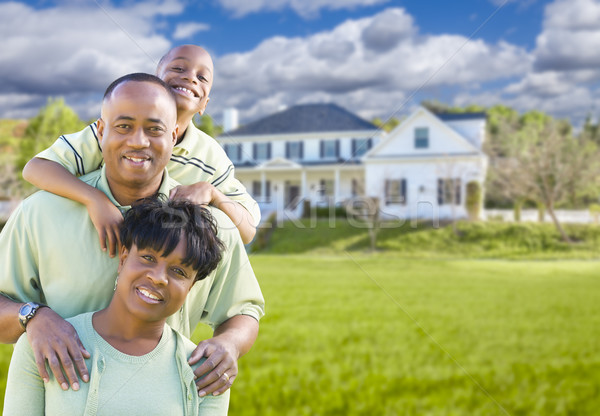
{"x": 459, "y": 116}
{"x": 305, "y": 118}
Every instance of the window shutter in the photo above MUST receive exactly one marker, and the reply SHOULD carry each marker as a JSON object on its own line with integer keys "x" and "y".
{"x": 457, "y": 191}
{"x": 287, "y": 150}
{"x": 301, "y": 150}
{"x": 268, "y": 190}
{"x": 354, "y": 155}
{"x": 369, "y": 143}
{"x": 322, "y": 149}
{"x": 440, "y": 192}
{"x": 254, "y": 150}
{"x": 337, "y": 148}
{"x": 403, "y": 190}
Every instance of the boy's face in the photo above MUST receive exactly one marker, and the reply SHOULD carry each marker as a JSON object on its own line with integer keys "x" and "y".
{"x": 188, "y": 70}
{"x": 138, "y": 131}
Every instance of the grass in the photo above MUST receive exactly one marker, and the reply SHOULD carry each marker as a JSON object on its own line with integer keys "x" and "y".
{"x": 377, "y": 335}
{"x": 489, "y": 240}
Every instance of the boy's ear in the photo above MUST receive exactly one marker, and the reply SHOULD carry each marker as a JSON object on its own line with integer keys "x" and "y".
{"x": 204, "y": 107}
{"x": 100, "y": 124}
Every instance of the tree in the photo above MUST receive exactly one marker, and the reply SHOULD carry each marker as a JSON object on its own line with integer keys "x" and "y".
{"x": 542, "y": 162}
{"x": 53, "y": 120}
{"x": 389, "y": 125}
{"x": 207, "y": 125}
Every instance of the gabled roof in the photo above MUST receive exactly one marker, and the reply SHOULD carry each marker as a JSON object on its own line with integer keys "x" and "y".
{"x": 306, "y": 118}
{"x": 460, "y": 116}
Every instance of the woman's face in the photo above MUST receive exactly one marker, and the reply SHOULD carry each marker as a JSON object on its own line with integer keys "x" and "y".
{"x": 153, "y": 287}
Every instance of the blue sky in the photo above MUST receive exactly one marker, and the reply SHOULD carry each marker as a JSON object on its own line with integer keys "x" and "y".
{"x": 373, "y": 57}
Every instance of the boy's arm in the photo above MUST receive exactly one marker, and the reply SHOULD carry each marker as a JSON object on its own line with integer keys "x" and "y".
{"x": 53, "y": 177}
{"x": 205, "y": 193}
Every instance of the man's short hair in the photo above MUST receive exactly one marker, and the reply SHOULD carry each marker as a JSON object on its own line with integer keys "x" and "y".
{"x": 159, "y": 224}
{"x": 137, "y": 77}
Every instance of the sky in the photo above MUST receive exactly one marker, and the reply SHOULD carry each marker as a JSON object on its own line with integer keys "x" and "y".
{"x": 376, "y": 58}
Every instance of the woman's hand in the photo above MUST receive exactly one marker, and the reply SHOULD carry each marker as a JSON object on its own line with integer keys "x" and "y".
{"x": 107, "y": 219}
{"x": 220, "y": 364}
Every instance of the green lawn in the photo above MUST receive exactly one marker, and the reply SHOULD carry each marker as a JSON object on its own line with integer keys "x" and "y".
{"x": 377, "y": 335}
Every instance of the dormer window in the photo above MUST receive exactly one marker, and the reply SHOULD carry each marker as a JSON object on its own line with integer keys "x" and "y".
{"x": 360, "y": 147}
{"x": 234, "y": 152}
{"x": 262, "y": 151}
{"x": 330, "y": 149}
{"x": 422, "y": 138}
{"x": 294, "y": 150}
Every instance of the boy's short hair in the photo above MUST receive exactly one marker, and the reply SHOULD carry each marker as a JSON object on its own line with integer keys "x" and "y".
{"x": 160, "y": 224}
{"x": 137, "y": 77}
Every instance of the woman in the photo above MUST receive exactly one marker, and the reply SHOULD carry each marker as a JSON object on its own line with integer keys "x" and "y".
{"x": 138, "y": 364}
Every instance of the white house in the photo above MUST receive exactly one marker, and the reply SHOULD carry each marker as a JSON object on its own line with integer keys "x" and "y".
{"x": 326, "y": 155}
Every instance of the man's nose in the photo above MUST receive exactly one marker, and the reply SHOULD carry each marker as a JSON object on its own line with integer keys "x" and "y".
{"x": 138, "y": 139}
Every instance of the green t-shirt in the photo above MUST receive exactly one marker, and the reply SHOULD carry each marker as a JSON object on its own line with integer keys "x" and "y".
{"x": 50, "y": 253}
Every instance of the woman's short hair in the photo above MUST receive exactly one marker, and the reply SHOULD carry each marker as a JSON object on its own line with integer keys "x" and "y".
{"x": 160, "y": 224}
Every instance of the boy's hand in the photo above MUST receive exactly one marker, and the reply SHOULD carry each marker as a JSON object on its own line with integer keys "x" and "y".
{"x": 200, "y": 193}
{"x": 54, "y": 340}
{"x": 107, "y": 219}
{"x": 220, "y": 368}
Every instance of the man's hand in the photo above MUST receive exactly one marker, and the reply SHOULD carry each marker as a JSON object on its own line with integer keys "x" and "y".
{"x": 200, "y": 193}
{"x": 221, "y": 361}
{"x": 107, "y": 219}
{"x": 55, "y": 340}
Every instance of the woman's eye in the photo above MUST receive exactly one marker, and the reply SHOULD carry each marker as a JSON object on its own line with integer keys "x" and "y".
{"x": 180, "y": 272}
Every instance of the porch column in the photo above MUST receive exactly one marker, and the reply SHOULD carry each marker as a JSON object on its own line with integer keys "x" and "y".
{"x": 303, "y": 187}
{"x": 336, "y": 186}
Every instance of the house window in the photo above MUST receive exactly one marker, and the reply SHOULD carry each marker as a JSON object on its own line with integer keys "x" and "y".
{"x": 358, "y": 187}
{"x": 326, "y": 188}
{"x": 257, "y": 191}
{"x": 330, "y": 149}
{"x": 294, "y": 150}
{"x": 262, "y": 151}
{"x": 360, "y": 147}
{"x": 449, "y": 191}
{"x": 421, "y": 138}
{"x": 395, "y": 191}
{"x": 233, "y": 151}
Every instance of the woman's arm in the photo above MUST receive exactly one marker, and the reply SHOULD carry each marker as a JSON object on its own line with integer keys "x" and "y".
{"x": 25, "y": 390}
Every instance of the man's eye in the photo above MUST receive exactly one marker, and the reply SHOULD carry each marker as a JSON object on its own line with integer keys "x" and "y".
{"x": 156, "y": 130}
{"x": 122, "y": 126}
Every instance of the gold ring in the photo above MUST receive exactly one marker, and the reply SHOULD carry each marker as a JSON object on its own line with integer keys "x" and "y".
{"x": 226, "y": 376}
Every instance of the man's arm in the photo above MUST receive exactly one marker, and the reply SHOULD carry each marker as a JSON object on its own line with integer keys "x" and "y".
{"x": 232, "y": 339}
{"x": 52, "y": 339}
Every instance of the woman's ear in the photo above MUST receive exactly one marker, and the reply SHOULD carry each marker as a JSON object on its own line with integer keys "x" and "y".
{"x": 123, "y": 253}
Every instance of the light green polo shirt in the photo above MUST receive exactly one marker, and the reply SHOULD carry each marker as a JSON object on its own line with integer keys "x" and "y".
{"x": 157, "y": 383}
{"x": 197, "y": 158}
{"x": 50, "y": 253}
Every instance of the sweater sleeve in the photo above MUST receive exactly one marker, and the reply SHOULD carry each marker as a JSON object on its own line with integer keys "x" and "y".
{"x": 25, "y": 390}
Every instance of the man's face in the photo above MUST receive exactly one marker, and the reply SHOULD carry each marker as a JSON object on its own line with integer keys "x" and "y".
{"x": 188, "y": 70}
{"x": 137, "y": 130}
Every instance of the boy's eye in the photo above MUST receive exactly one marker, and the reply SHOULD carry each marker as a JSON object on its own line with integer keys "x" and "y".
{"x": 202, "y": 78}
{"x": 148, "y": 257}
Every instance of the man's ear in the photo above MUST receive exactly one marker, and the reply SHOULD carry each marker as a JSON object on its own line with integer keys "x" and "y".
{"x": 175, "y": 134}
{"x": 204, "y": 107}
{"x": 100, "y": 124}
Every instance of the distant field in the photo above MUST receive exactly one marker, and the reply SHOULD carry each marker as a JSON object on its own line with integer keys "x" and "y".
{"x": 354, "y": 335}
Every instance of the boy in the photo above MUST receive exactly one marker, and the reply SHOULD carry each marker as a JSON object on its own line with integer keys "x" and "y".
{"x": 198, "y": 161}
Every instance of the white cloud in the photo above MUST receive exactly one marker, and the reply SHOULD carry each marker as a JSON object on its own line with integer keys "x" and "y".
{"x": 304, "y": 8}
{"x": 370, "y": 58}
{"x": 73, "y": 50}
{"x": 186, "y": 30}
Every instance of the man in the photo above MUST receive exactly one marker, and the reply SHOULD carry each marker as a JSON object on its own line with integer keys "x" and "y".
{"x": 50, "y": 253}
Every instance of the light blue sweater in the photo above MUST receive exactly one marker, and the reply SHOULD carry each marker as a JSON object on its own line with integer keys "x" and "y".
{"x": 158, "y": 383}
